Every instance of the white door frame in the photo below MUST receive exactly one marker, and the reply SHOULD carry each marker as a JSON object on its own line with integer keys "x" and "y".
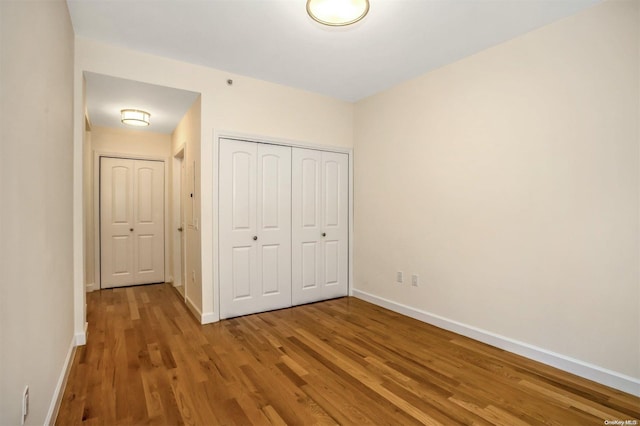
{"x": 208, "y": 317}
{"x": 178, "y": 220}
{"x": 96, "y": 209}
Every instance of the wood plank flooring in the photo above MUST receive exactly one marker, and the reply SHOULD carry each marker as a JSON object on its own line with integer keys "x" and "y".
{"x": 344, "y": 361}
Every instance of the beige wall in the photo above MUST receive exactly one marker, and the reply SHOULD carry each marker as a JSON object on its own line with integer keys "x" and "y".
{"x": 186, "y": 136}
{"x": 128, "y": 141}
{"x": 249, "y": 106}
{"x": 118, "y": 141}
{"x": 509, "y": 182}
{"x": 36, "y": 207}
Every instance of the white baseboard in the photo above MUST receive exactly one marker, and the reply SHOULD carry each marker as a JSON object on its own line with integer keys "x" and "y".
{"x": 194, "y": 310}
{"x": 58, "y": 393}
{"x": 580, "y": 368}
{"x": 91, "y": 287}
{"x": 80, "y": 339}
{"x": 206, "y": 318}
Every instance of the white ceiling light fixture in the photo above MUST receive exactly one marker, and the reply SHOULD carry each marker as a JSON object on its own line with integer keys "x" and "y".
{"x": 337, "y": 13}
{"x": 135, "y": 117}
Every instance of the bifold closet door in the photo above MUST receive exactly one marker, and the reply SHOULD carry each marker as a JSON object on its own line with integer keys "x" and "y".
{"x": 255, "y": 227}
{"x": 320, "y": 229}
{"x": 131, "y": 222}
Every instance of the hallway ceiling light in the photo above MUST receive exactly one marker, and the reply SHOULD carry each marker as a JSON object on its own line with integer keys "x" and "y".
{"x": 134, "y": 117}
{"x": 337, "y": 12}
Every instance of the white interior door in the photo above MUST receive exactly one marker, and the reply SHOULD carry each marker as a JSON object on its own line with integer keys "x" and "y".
{"x": 255, "y": 227}
{"x": 182, "y": 227}
{"x": 131, "y": 222}
{"x": 178, "y": 254}
{"x": 320, "y": 231}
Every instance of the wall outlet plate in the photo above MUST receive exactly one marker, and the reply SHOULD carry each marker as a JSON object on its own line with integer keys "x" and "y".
{"x": 414, "y": 280}
{"x": 399, "y": 277}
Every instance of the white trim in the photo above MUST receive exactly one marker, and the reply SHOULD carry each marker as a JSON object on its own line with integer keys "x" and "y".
{"x": 580, "y": 368}
{"x": 351, "y": 228}
{"x": 91, "y": 287}
{"x": 247, "y": 137}
{"x": 215, "y": 230}
{"x": 96, "y": 219}
{"x": 206, "y": 318}
{"x": 58, "y": 392}
{"x": 177, "y": 237}
{"x": 80, "y": 338}
{"x": 96, "y": 209}
{"x": 223, "y": 134}
{"x": 79, "y": 295}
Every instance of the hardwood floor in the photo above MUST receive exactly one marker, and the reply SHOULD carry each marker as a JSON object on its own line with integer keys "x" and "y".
{"x": 344, "y": 361}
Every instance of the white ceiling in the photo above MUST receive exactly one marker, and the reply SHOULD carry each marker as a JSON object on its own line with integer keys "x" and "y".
{"x": 106, "y": 96}
{"x": 275, "y": 40}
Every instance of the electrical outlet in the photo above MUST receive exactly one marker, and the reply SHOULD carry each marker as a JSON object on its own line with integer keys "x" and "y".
{"x": 25, "y": 404}
{"x": 414, "y": 280}
{"x": 399, "y": 277}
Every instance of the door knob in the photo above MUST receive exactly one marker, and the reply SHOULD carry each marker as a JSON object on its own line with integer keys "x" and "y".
{"x": 131, "y": 229}
{"x": 180, "y": 228}
{"x": 255, "y": 238}
{"x": 324, "y": 234}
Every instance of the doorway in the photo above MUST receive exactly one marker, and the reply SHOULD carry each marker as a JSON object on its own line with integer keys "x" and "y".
{"x": 132, "y": 224}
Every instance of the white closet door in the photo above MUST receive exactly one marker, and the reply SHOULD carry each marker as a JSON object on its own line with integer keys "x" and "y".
{"x": 307, "y": 252}
{"x": 148, "y": 195}
{"x": 131, "y": 222}
{"x": 116, "y": 223}
{"x": 320, "y": 197}
{"x": 335, "y": 224}
{"x": 255, "y": 227}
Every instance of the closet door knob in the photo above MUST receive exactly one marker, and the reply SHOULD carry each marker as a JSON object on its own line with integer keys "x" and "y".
{"x": 324, "y": 234}
{"x": 255, "y": 238}
{"x": 131, "y": 229}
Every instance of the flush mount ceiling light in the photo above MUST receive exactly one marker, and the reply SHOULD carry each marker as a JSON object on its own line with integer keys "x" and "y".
{"x": 337, "y": 12}
{"x": 135, "y": 117}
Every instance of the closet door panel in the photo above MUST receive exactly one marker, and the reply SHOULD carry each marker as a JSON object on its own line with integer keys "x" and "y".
{"x": 272, "y": 279}
{"x": 320, "y": 205}
{"x": 255, "y": 227}
{"x": 306, "y": 208}
{"x": 117, "y": 252}
{"x": 148, "y": 193}
{"x": 274, "y": 225}
{"x": 309, "y": 265}
{"x": 242, "y": 260}
{"x": 331, "y": 263}
{"x": 335, "y": 224}
{"x": 309, "y": 176}
{"x": 243, "y": 190}
{"x": 239, "y": 285}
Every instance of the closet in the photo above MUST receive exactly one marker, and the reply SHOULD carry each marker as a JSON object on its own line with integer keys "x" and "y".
{"x": 131, "y": 222}
{"x": 320, "y": 200}
{"x": 283, "y": 226}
